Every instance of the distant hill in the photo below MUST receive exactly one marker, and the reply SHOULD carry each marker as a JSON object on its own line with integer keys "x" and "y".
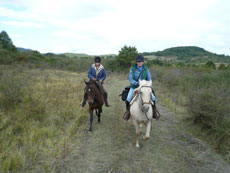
{"x": 184, "y": 51}
{"x": 188, "y": 53}
{"x": 72, "y": 55}
{"x": 79, "y": 55}
{"x": 20, "y": 49}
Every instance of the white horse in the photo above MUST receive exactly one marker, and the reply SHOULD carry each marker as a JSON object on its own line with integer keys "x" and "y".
{"x": 141, "y": 108}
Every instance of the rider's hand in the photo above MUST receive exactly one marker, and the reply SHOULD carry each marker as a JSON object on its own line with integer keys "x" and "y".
{"x": 100, "y": 80}
{"x": 94, "y": 79}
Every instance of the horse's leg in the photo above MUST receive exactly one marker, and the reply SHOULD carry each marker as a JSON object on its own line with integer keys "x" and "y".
{"x": 132, "y": 121}
{"x": 91, "y": 119}
{"x": 99, "y": 116}
{"x": 148, "y": 128}
{"x": 137, "y": 133}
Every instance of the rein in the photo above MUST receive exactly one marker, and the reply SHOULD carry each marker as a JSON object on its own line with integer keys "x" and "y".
{"x": 136, "y": 96}
{"x": 149, "y": 103}
{"x": 92, "y": 87}
{"x": 142, "y": 99}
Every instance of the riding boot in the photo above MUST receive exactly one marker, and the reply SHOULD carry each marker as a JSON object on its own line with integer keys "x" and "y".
{"x": 155, "y": 116}
{"x": 104, "y": 93}
{"x": 126, "y": 116}
{"x": 106, "y": 99}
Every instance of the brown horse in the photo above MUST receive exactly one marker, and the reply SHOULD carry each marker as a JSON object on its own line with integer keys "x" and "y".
{"x": 95, "y": 100}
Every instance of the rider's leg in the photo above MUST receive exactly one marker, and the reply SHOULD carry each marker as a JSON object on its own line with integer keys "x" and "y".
{"x": 103, "y": 92}
{"x": 154, "y": 107}
{"x": 84, "y": 99}
{"x": 105, "y": 95}
{"x": 128, "y": 100}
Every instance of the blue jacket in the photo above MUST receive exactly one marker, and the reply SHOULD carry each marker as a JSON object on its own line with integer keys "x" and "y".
{"x": 135, "y": 69}
{"x": 101, "y": 73}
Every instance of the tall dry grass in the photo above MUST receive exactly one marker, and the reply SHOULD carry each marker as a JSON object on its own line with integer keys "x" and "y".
{"x": 39, "y": 112}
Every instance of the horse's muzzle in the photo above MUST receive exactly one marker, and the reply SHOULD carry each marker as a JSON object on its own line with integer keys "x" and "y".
{"x": 90, "y": 103}
{"x": 145, "y": 108}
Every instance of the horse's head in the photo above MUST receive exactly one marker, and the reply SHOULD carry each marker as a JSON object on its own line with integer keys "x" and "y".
{"x": 145, "y": 92}
{"x": 91, "y": 93}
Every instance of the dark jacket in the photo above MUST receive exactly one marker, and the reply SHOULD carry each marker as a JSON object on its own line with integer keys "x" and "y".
{"x": 134, "y": 74}
{"x": 101, "y": 73}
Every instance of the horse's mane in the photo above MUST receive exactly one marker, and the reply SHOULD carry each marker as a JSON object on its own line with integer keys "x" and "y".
{"x": 145, "y": 83}
{"x": 96, "y": 86}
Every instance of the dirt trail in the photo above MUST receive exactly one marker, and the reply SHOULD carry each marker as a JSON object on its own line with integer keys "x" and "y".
{"x": 111, "y": 145}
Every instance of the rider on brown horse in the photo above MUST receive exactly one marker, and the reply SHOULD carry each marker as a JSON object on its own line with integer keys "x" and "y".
{"x": 97, "y": 73}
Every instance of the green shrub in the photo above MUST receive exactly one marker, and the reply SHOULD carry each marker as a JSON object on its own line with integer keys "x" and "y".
{"x": 222, "y": 67}
{"x": 6, "y": 56}
{"x": 210, "y": 64}
{"x": 207, "y": 95}
{"x": 210, "y": 108}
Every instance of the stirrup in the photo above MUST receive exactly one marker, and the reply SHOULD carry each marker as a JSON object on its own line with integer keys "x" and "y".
{"x": 157, "y": 115}
{"x": 107, "y": 105}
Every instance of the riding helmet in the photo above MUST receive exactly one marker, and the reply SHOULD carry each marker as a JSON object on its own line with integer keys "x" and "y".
{"x": 97, "y": 59}
{"x": 140, "y": 58}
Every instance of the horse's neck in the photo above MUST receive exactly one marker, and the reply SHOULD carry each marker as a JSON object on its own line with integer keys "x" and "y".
{"x": 137, "y": 100}
{"x": 97, "y": 91}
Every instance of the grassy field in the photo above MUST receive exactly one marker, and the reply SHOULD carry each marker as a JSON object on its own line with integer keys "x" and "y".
{"x": 43, "y": 127}
{"x": 39, "y": 113}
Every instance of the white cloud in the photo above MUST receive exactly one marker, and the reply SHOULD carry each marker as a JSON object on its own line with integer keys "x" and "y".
{"x": 101, "y": 25}
{"x": 23, "y": 24}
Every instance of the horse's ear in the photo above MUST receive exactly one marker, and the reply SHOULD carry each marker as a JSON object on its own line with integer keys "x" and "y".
{"x": 150, "y": 82}
{"x": 87, "y": 83}
{"x": 139, "y": 81}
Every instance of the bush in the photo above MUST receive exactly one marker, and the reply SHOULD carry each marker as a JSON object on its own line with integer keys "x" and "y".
{"x": 210, "y": 108}
{"x": 222, "y": 67}
{"x": 126, "y": 56}
{"x": 210, "y": 64}
{"x": 6, "y": 56}
{"x": 207, "y": 93}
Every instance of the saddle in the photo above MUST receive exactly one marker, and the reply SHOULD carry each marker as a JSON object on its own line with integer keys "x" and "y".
{"x": 124, "y": 93}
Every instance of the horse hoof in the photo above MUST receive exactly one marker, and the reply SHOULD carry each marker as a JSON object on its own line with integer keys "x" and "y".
{"x": 146, "y": 138}
{"x": 137, "y": 145}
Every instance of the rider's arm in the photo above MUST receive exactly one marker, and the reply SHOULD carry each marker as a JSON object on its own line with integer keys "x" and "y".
{"x": 131, "y": 80}
{"x": 148, "y": 76}
{"x": 103, "y": 74}
{"x": 90, "y": 73}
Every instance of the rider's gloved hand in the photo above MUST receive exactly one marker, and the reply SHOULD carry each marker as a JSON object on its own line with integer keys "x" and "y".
{"x": 100, "y": 80}
{"x": 94, "y": 79}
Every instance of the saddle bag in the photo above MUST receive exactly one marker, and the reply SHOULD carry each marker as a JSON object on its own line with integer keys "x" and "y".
{"x": 124, "y": 93}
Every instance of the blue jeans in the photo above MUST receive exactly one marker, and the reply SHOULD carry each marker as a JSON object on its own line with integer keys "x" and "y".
{"x": 130, "y": 95}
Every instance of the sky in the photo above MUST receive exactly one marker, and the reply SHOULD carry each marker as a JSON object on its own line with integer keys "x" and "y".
{"x": 98, "y": 27}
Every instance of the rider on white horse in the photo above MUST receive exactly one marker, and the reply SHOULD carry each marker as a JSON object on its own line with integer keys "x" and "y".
{"x": 137, "y": 71}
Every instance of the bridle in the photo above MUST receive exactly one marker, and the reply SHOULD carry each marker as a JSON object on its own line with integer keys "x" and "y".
{"x": 93, "y": 90}
{"x": 143, "y": 103}
{"x": 142, "y": 99}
